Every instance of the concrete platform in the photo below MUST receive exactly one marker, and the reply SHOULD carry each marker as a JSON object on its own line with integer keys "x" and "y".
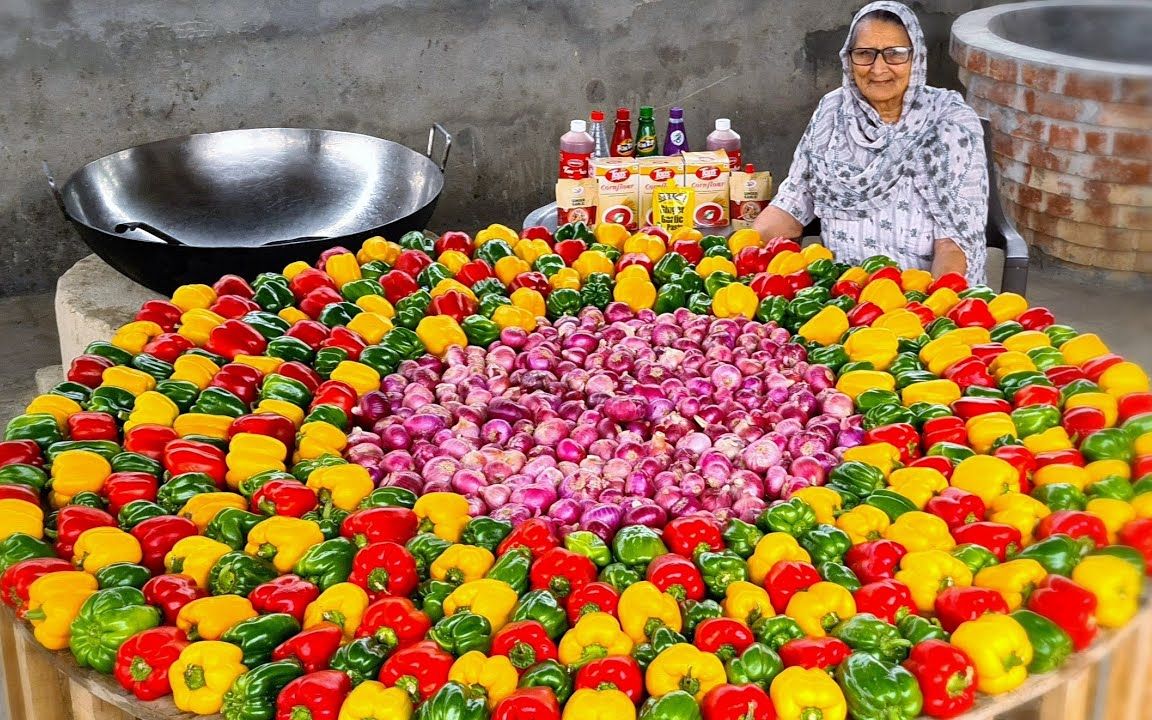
{"x": 92, "y": 301}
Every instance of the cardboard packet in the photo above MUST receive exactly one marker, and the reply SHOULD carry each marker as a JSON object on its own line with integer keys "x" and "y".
{"x": 618, "y": 191}
{"x": 750, "y": 193}
{"x": 655, "y": 172}
{"x": 707, "y": 174}
{"x": 673, "y": 206}
{"x": 576, "y": 201}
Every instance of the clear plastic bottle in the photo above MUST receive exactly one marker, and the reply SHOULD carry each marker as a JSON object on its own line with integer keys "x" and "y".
{"x": 676, "y": 141}
{"x": 646, "y": 141}
{"x": 599, "y": 135}
{"x": 725, "y": 138}
{"x": 576, "y": 148}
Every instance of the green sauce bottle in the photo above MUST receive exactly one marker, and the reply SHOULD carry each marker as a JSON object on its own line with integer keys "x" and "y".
{"x": 646, "y": 144}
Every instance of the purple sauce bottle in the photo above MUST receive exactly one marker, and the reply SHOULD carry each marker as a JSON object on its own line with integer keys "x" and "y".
{"x": 676, "y": 139}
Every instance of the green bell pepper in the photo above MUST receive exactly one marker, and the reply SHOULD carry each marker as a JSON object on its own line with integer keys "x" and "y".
{"x": 250, "y": 485}
{"x": 637, "y": 545}
{"x": 878, "y": 690}
{"x": 826, "y": 543}
{"x": 1113, "y": 486}
{"x": 953, "y": 451}
{"x": 41, "y": 428}
{"x": 135, "y": 462}
{"x": 939, "y": 326}
{"x": 1003, "y": 330}
{"x": 549, "y": 264}
{"x": 430, "y": 276}
{"x": 390, "y": 497}
{"x": 405, "y": 342}
{"x": 1051, "y": 646}
{"x": 426, "y": 547}
{"x": 890, "y": 502}
{"x": 913, "y": 345}
{"x": 777, "y": 630}
{"x": 432, "y": 594}
{"x": 794, "y": 517}
{"x": 1060, "y": 496}
{"x": 327, "y": 360}
{"x": 480, "y": 330}
{"x": 1107, "y": 444}
{"x": 364, "y": 287}
{"x": 676, "y": 705}
{"x": 1060, "y": 334}
{"x": 181, "y": 392}
{"x": 122, "y": 574}
{"x": 104, "y": 448}
{"x": 887, "y": 414}
{"x": 662, "y": 638}
{"x": 453, "y": 701}
{"x": 290, "y": 349}
{"x": 274, "y": 296}
{"x": 596, "y": 295}
{"x": 867, "y": 633}
{"x": 721, "y": 569}
{"x": 512, "y": 568}
{"x": 982, "y": 292}
{"x": 106, "y": 619}
{"x": 717, "y": 280}
{"x": 327, "y": 563}
{"x": 606, "y": 250}
{"x": 1059, "y": 554}
{"x": 855, "y": 478}
{"x": 334, "y": 415}
{"x": 490, "y": 303}
{"x": 905, "y": 362}
{"x": 543, "y": 607}
{"x": 279, "y": 387}
{"x": 485, "y": 532}
{"x": 619, "y": 576}
{"x": 700, "y": 303}
{"x": 253, "y": 694}
{"x": 383, "y": 360}
{"x": 257, "y": 637}
{"x": 670, "y": 298}
{"x": 689, "y": 281}
{"x": 231, "y": 527}
{"x": 267, "y": 324}
{"x": 719, "y": 251}
{"x": 492, "y": 251}
{"x": 173, "y": 494}
{"x": 912, "y": 377}
{"x": 329, "y": 518}
{"x": 360, "y": 659}
{"x": 237, "y": 573}
{"x": 137, "y": 512}
{"x": 975, "y": 557}
{"x": 72, "y": 390}
{"x": 154, "y": 366}
{"x": 417, "y": 240}
{"x": 109, "y": 351}
{"x": 697, "y": 612}
{"x": 374, "y": 270}
{"x": 1035, "y": 419}
{"x": 917, "y": 628}
{"x": 835, "y": 572}
{"x": 833, "y": 356}
{"x": 757, "y": 665}
{"x": 875, "y": 396}
{"x": 338, "y": 314}
{"x": 668, "y": 267}
{"x": 26, "y": 475}
{"x": 1045, "y": 358}
{"x": 461, "y": 633}
{"x": 922, "y": 412}
{"x": 549, "y": 674}
{"x": 488, "y": 286}
{"x": 1077, "y": 387}
{"x": 741, "y": 537}
{"x": 19, "y": 546}
{"x": 88, "y": 499}
{"x": 590, "y": 545}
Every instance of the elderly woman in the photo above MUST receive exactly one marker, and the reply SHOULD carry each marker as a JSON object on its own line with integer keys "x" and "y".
{"x": 889, "y": 165}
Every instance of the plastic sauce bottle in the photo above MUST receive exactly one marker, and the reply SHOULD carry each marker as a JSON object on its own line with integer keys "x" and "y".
{"x": 622, "y": 143}
{"x": 599, "y": 135}
{"x": 676, "y": 141}
{"x": 646, "y": 133}
{"x": 576, "y": 148}
{"x": 725, "y": 138}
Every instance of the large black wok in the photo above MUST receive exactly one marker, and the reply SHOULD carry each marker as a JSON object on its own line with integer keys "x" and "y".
{"x": 190, "y": 209}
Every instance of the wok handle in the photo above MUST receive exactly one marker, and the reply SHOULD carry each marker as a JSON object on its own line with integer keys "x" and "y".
{"x": 55, "y": 190}
{"x": 438, "y": 128}
{"x": 155, "y": 232}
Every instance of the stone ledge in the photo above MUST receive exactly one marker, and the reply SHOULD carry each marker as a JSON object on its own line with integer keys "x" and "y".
{"x": 1072, "y": 186}
{"x": 1060, "y": 205}
{"x": 92, "y": 301}
{"x": 49, "y": 377}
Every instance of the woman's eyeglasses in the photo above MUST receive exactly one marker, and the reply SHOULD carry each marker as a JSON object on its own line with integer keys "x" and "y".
{"x": 892, "y": 55}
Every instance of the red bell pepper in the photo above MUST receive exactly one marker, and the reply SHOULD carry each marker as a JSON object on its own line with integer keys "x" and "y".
{"x": 972, "y": 312}
{"x": 319, "y": 298}
{"x": 1003, "y": 540}
{"x": 185, "y": 456}
{"x": 952, "y": 280}
{"x": 309, "y": 279}
{"x": 678, "y": 576}
{"x": 751, "y": 260}
{"x": 122, "y": 488}
{"x": 20, "y": 452}
{"x": 619, "y": 672}
{"x": 473, "y": 272}
{"x": 690, "y": 250}
{"x": 1020, "y": 458}
{"x": 537, "y": 232}
{"x": 814, "y": 653}
{"x": 309, "y": 332}
{"x": 286, "y": 594}
{"x": 382, "y": 524}
{"x": 335, "y": 392}
{"x": 723, "y": 637}
{"x": 970, "y": 407}
{"x": 1070, "y": 456}
{"x": 847, "y": 288}
{"x": 72, "y": 521}
{"x": 233, "y": 307}
{"x": 288, "y": 498}
{"x": 969, "y": 372}
{"x": 570, "y": 250}
{"x": 987, "y": 352}
{"x": 346, "y": 340}
{"x": 315, "y": 696}
{"x": 394, "y": 621}
{"x": 412, "y": 262}
{"x": 1133, "y": 404}
{"x": 957, "y": 605}
{"x": 778, "y": 245}
{"x": 233, "y": 285}
{"x": 787, "y": 578}
{"x": 593, "y": 597}
{"x": 799, "y": 280}
{"x": 454, "y": 304}
{"x": 737, "y": 702}
{"x": 301, "y": 373}
{"x": 384, "y": 568}
{"x": 889, "y": 600}
{"x": 944, "y": 429}
{"x": 1142, "y": 466}
{"x": 243, "y": 381}
{"x": 1080, "y": 422}
{"x": 1061, "y": 375}
{"x": 158, "y": 535}
{"x": 1036, "y": 318}
{"x": 1069, "y": 605}
{"x": 533, "y": 280}
{"x": 922, "y": 312}
{"x": 561, "y": 571}
{"x": 902, "y": 436}
{"x": 628, "y": 259}
{"x": 524, "y": 643}
{"x": 143, "y": 660}
{"x": 864, "y": 314}
{"x": 1138, "y": 534}
{"x": 313, "y": 648}
{"x": 454, "y": 240}
{"x": 161, "y": 312}
{"x": 419, "y": 670}
{"x": 270, "y": 424}
{"x": 235, "y": 337}
{"x": 530, "y": 703}
{"x": 874, "y": 560}
{"x": 1095, "y": 367}
{"x": 946, "y": 676}
{"x": 1074, "y": 523}
{"x": 20, "y": 492}
{"x": 686, "y": 535}
{"x": 149, "y": 440}
{"x": 956, "y": 507}
{"x": 771, "y": 285}
{"x": 535, "y": 534}
{"x": 887, "y": 273}
{"x": 938, "y": 463}
{"x": 1036, "y": 395}
{"x": 16, "y": 580}
{"x": 171, "y": 593}
{"x": 92, "y": 426}
{"x": 88, "y": 370}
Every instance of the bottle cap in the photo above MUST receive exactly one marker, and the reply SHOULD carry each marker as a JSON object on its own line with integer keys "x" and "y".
{"x": 597, "y": 116}
{"x": 625, "y": 114}
{"x": 646, "y": 112}
{"x": 723, "y": 124}
{"x": 749, "y": 168}
{"x": 578, "y": 126}
{"x": 676, "y": 113}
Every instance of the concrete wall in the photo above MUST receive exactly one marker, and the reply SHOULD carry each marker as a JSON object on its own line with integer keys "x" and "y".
{"x": 83, "y": 78}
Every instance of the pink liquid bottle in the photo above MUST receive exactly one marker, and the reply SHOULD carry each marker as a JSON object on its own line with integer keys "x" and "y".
{"x": 725, "y": 138}
{"x": 576, "y": 148}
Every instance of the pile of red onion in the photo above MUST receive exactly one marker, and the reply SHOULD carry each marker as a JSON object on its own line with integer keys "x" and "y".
{"x": 609, "y": 419}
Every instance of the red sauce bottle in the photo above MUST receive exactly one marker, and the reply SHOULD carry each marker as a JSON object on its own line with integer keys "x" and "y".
{"x": 622, "y": 143}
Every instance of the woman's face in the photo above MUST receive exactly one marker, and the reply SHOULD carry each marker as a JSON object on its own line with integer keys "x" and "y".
{"x": 881, "y": 83}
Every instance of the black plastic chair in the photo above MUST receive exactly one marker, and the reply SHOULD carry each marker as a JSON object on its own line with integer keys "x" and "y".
{"x": 1000, "y": 232}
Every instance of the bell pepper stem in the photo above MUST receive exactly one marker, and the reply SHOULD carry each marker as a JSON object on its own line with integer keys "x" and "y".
{"x": 301, "y": 712}
{"x": 386, "y": 636}
{"x": 522, "y": 656}
{"x": 140, "y": 670}
{"x": 378, "y": 580}
{"x": 958, "y": 684}
{"x": 335, "y": 617}
{"x": 811, "y": 713}
{"x": 194, "y": 677}
{"x": 689, "y": 684}
{"x": 34, "y": 615}
{"x": 652, "y": 626}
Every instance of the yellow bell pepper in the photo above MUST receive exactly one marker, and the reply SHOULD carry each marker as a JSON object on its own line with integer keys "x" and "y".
{"x": 565, "y": 278}
{"x": 807, "y": 694}
{"x": 948, "y": 355}
{"x": 735, "y": 300}
{"x": 208, "y": 618}
{"x": 282, "y": 540}
{"x": 529, "y": 299}
{"x": 1010, "y": 362}
{"x": 880, "y": 455}
{"x": 590, "y": 704}
{"x": 1062, "y": 473}
{"x": 826, "y": 502}
{"x": 713, "y": 263}
{"x": 815, "y": 251}
{"x": 20, "y": 516}
{"x": 372, "y": 700}
{"x": 917, "y": 530}
{"x": 363, "y": 378}
{"x": 293, "y": 269}
{"x": 195, "y": 555}
{"x": 612, "y": 234}
{"x": 927, "y": 573}
{"x": 135, "y": 335}
{"x": 643, "y": 608}
{"x": 214, "y": 426}
{"x": 496, "y": 231}
{"x": 54, "y": 601}
{"x": 342, "y": 604}
{"x": 854, "y": 274}
{"x": 530, "y": 250}
{"x": 318, "y": 438}
{"x": 196, "y": 369}
{"x": 973, "y": 335}
{"x": 983, "y": 430}
{"x": 684, "y": 667}
{"x": 863, "y": 523}
{"x": 249, "y": 454}
{"x": 883, "y": 293}
{"x": 746, "y": 602}
{"x": 342, "y": 268}
{"x": 507, "y": 316}
{"x": 1083, "y": 348}
{"x": 904, "y": 323}
{"x": 593, "y": 261}
{"x": 742, "y": 238}
{"x": 1141, "y": 447}
{"x": 595, "y": 635}
{"x": 638, "y": 272}
{"x": 453, "y": 260}
{"x": 648, "y": 245}
{"x": 197, "y": 324}
{"x": 1124, "y": 378}
{"x": 916, "y": 279}
{"x": 126, "y": 378}
{"x": 933, "y": 348}
{"x": 1014, "y": 579}
{"x": 371, "y": 326}
{"x": 377, "y": 248}
{"x": 282, "y": 408}
{"x": 203, "y": 673}
{"x": 190, "y": 297}
{"x": 77, "y": 471}
{"x": 827, "y": 327}
{"x": 1142, "y": 506}
{"x": 1027, "y": 340}
{"x": 442, "y": 513}
{"x": 508, "y": 267}
{"x": 1020, "y": 511}
{"x": 1054, "y": 438}
{"x": 986, "y": 476}
{"x": 1000, "y": 650}
{"x": 438, "y": 333}
{"x": 771, "y": 549}
{"x": 638, "y": 294}
{"x": 930, "y": 477}
{"x": 820, "y": 608}
{"x": 918, "y": 490}
{"x": 200, "y": 509}
{"x": 374, "y": 304}
{"x": 1115, "y": 514}
{"x": 265, "y": 364}
{"x": 99, "y": 547}
{"x": 1117, "y": 585}
{"x": 462, "y": 563}
{"x": 493, "y": 599}
{"x": 1103, "y": 402}
{"x": 855, "y": 382}
{"x": 941, "y": 301}
{"x": 494, "y": 676}
{"x": 786, "y": 263}
{"x": 1007, "y": 306}
{"x": 342, "y": 485}
{"x": 58, "y": 406}
{"x": 876, "y": 345}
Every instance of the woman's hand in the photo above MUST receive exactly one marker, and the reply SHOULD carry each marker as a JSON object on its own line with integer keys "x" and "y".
{"x": 774, "y": 222}
{"x": 947, "y": 257}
